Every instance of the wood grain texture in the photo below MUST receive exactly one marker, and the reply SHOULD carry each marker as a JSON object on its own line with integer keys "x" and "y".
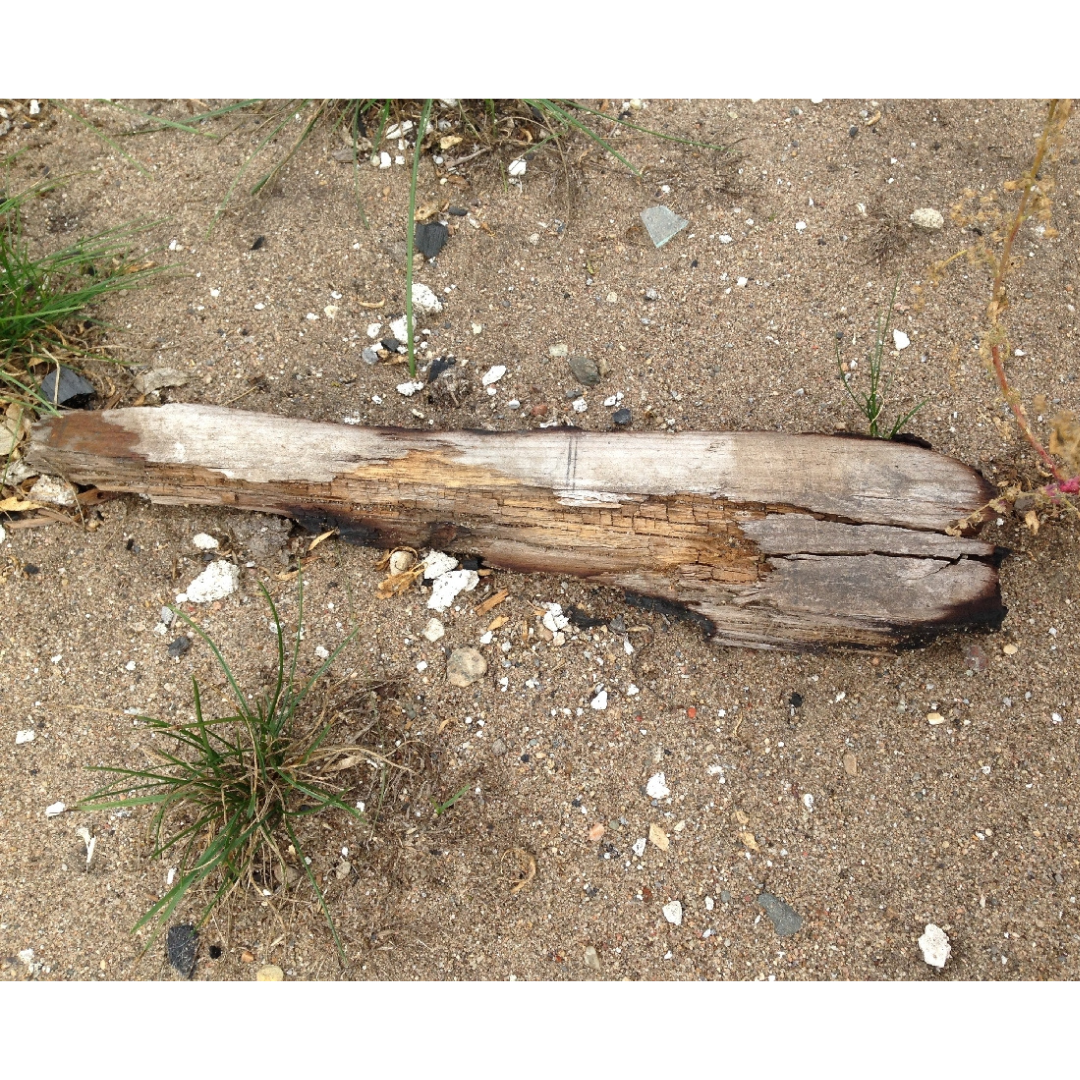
{"x": 769, "y": 540}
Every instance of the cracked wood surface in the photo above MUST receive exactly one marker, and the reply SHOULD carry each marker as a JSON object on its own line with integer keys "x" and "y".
{"x": 766, "y": 539}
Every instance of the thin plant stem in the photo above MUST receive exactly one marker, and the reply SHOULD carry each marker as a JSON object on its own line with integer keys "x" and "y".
{"x": 410, "y": 241}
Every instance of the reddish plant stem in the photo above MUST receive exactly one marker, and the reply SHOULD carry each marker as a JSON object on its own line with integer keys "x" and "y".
{"x": 998, "y": 299}
{"x": 1021, "y": 415}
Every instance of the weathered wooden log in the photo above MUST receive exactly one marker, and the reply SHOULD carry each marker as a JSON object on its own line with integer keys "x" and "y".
{"x": 767, "y": 540}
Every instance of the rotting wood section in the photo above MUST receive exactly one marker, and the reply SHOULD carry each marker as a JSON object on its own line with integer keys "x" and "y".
{"x": 789, "y": 541}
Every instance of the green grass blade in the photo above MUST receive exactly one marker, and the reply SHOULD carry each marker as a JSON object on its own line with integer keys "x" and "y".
{"x": 549, "y": 106}
{"x": 410, "y": 240}
{"x": 103, "y": 137}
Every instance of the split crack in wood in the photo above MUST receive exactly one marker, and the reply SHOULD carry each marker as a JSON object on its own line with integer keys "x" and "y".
{"x": 769, "y": 540}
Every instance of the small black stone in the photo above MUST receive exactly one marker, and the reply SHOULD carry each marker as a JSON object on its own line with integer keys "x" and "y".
{"x": 457, "y": 211}
{"x": 74, "y": 391}
{"x": 31, "y": 569}
{"x": 471, "y": 563}
{"x": 181, "y": 944}
{"x": 439, "y": 365}
{"x": 796, "y": 700}
{"x": 259, "y": 242}
{"x": 215, "y": 952}
{"x": 431, "y": 238}
{"x": 693, "y": 264}
{"x": 621, "y": 418}
{"x": 526, "y": 758}
{"x": 178, "y": 647}
{"x": 853, "y": 131}
{"x": 575, "y": 803}
{"x": 390, "y": 343}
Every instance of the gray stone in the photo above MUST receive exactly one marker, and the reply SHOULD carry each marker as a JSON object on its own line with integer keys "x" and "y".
{"x": 370, "y": 356}
{"x": 181, "y": 944}
{"x": 160, "y": 379}
{"x": 465, "y": 666}
{"x": 662, "y": 224}
{"x": 498, "y": 748}
{"x": 785, "y": 919}
{"x": 178, "y": 647}
{"x": 585, "y": 370}
{"x": 621, "y": 418}
{"x": 71, "y": 390}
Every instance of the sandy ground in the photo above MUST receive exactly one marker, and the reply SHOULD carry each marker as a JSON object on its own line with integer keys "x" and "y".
{"x": 865, "y": 819}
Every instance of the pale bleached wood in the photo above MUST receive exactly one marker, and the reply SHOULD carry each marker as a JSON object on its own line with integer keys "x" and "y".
{"x": 777, "y": 540}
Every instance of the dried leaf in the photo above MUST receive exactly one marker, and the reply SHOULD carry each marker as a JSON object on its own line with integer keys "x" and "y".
{"x": 502, "y": 620}
{"x": 658, "y": 837}
{"x": 742, "y": 818}
{"x": 1031, "y": 520}
{"x": 492, "y": 602}
{"x": 748, "y": 839}
{"x": 526, "y": 868}
{"x": 1065, "y": 439}
{"x": 319, "y": 539}
{"x": 345, "y": 763}
{"x": 851, "y": 764}
{"x": 15, "y": 504}
{"x": 399, "y": 583}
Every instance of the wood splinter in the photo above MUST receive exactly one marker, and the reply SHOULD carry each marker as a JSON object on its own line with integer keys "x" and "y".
{"x": 766, "y": 540}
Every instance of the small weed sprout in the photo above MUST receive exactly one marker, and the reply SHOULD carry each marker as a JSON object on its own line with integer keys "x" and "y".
{"x": 229, "y": 792}
{"x": 871, "y": 403}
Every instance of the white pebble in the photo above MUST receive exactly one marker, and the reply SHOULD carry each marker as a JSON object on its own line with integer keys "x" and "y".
{"x": 493, "y": 375}
{"x": 600, "y": 701}
{"x": 935, "y": 946}
{"x": 517, "y": 167}
{"x": 204, "y": 542}
{"x": 23, "y": 737}
{"x": 928, "y": 219}
{"x": 433, "y": 631}
{"x": 447, "y": 586}
{"x": 632, "y": 691}
{"x": 55, "y": 809}
{"x": 673, "y": 912}
{"x": 639, "y": 846}
{"x": 580, "y": 405}
{"x": 741, "y": 282}
{"x": 725, "y": 239}
{"x": 321, "y": 652}
{"x": 425, "y": 299}
{"x": 657, "y": 787}
{"x": 437, "y": 563}
{"x": 900, "y": 339}
{"x": 800, "y": 226}
{"x": 407, "y": 389}
{"x": 373, "y": 330}
{"x": 217, "y": 581}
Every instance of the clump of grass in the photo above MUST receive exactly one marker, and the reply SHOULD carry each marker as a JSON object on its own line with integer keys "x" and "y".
{"x": 42, "y": 297}
{"x": 230, "y": 792}
{"x": 526, "y": 126}
{"x": 871, "y": 403}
